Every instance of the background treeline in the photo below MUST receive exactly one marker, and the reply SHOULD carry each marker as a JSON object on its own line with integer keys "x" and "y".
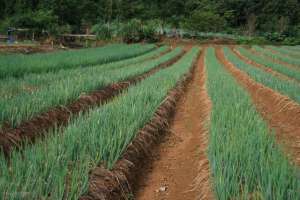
{"x": 272, "y": 19}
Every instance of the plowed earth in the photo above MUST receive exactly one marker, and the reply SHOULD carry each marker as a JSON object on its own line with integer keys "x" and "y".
{"x": 175, "y": 172}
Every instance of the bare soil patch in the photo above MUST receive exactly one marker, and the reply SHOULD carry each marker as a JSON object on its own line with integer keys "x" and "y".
{"x": 176, "y": 173}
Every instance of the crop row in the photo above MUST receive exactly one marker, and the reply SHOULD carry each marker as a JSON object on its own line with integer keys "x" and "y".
{"x": 293, "y": 73}
{"x": 18, "y": 65}
{"x": 286, "y": 87}
{"x": 25, "y": 106}
{"x": 277, "y": 56}
{"x": 245, "y": 160}
{"x": 58, "y": 167}
{"x": 12, "y": 86}
{"x": 286, "y": 50}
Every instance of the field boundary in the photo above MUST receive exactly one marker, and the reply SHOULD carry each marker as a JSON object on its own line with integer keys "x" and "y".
{"x": 120, "y": 182}
{"x": 29, "y": 131}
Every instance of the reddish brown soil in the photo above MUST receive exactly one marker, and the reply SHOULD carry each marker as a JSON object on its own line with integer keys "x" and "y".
{"x": 176, "y": 164}
{"x": 281, "y": 113}
{"x": 274, "y": 60}
{"x": 263, "y": 67}
{"x": 121, "y": 181}
{"x": 37, "y": 127}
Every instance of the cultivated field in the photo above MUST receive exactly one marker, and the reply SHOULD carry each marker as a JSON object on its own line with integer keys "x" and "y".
{"x": 151, "y": 122}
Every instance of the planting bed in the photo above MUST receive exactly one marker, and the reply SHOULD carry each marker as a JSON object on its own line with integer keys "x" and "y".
{"x": 151, "y": 123}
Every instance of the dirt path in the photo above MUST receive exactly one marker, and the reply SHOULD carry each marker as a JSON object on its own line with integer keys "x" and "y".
{"x": 281, "y": 113}
{"x": 176, "y": 164}
{"x": 263, "y": 67}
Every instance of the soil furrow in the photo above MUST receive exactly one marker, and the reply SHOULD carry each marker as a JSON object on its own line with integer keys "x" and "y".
{"x": 180, "y": 168}
{"x": 263, "y": 67}
{"x": 37, "y": 127}
{"x": 281, "y": 113}
{"x": 121, "y": 181}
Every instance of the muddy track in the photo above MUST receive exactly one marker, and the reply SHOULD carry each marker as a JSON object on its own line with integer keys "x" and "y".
{"x": 38, "y": 126}
{"x": 253, "y": 51}
{"x": 281, "y": 113}
{"x": 122, "y": 180}
{"x": 263, "y": 67}
{"x": 175, "y": 166}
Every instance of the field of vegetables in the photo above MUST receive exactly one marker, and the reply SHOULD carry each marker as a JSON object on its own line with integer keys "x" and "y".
{"x": 73, "y": 119}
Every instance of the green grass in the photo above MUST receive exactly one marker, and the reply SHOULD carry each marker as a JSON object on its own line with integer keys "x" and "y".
{"x": 19, "y": 65}
{"x": 58, "y": 167}
{"x": 245, "y": 161}
{"x": 288, "y": 88}
{"x": 293, "y": 73}
{"x": 278, "y": 56}
{"x": 11, "y": 86}
{"x": 25, "y": 106}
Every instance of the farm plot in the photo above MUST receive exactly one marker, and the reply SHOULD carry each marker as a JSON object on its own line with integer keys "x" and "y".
{"x": 25, "y": 106}
{"x": 276, "y": 56}
{"x": 12, "y": 86}
{"x": 245, "y": 160}
{"x": 90, "y": 132}
{"x": 284, "y": 69}
{"x": 288, "y": 88}
{"x": 286, "y": 50}
{"x": 58, "y": 167}
{"x": 18, "y": 65}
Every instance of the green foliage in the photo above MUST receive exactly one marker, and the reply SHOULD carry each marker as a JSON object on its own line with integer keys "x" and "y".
{"x": 286, "y": 87}
{"x": 245, "y": 160}
{"x": 28, "y": 104}
{"x": 59, "y": 167}
{"x": 19, "y": 65}
{"x": 137, "y": 31}
{"x": 205, "y": 21}
{"x": 11, "y": 86}
{"x": 293, "y": 73}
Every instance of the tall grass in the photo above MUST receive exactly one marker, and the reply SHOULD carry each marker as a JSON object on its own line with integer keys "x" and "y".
{"x": 18, "y": 65}
{"x": 293, "y": 73}
{"x": 277, "y": 56}
{"x": 12, "y": 86}
{"x": 288, "y": 88}
{"x": 27, "y": 105}
{"x": 58, "y": 167}
{"x": 245, "y": 161}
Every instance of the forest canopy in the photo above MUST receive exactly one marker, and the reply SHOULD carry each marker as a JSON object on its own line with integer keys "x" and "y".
{"x": 247, "y": 17}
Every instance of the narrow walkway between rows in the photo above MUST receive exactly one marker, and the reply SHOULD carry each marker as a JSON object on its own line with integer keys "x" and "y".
{"x": 175, "y": 168}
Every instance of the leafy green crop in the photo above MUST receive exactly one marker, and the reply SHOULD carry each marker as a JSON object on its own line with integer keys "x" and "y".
{"x": 12, "y": 86}
{"x": 57, "y": 168}
{"x": 293, "y": 73}
{"x": 60, "y": 92}
{"x": 288, "y": 88}
{"x": 245, "y": 161}
{"x": 277, "y": 56}
{"x": 18, "y": 65}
